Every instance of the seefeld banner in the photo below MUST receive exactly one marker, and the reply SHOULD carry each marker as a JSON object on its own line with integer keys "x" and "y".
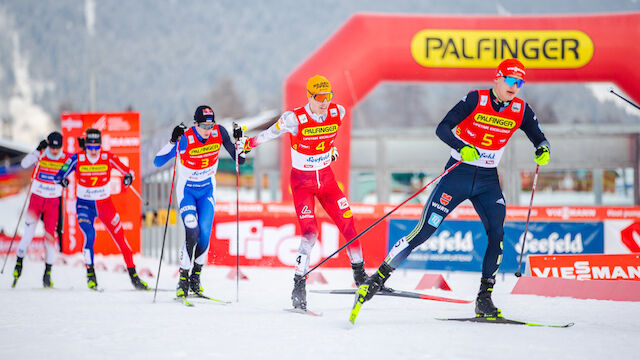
{"x": 460, "y": 245}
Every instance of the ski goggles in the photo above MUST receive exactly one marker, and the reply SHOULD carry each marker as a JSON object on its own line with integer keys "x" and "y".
{"x": 93, "y": 147}
{"x": 322, "y": 97}
{"x": 206, "y": 126}
{"x": 509, "y": 80}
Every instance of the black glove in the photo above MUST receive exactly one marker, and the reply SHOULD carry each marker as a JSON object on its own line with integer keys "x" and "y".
{"x": 43, "y": 145}
{"x": 237, "y": 131}
{"x": 127, "y": 180}
{"x": 81, "y": 143}
{"x": 177, "y": 132}
{"x": 64, "y": 182}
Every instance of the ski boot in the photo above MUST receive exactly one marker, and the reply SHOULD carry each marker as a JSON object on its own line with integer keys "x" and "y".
{"x": 484, "y": 305}
{"x": 373, "y": 283}
{"x": 194, "y": 280}
{"x": 17, "y": 271}
{"x": 299, "y": 293}
{"x": 136, "y": 281}
{"x": 369, "y": 288}
{"x": 46, "y": 278}
{"x": 92, "y": 282}
{"x": 183, "y": 284}
{"x": 359, "y": 275}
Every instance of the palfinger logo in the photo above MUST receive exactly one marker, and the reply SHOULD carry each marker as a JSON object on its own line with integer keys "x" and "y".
{"x": 495, "y": 121}
{"x": 205, "y": 149}
{"x": 487, "y": 48}
{"x": 320, "y": 130}
{"x": 93, "y": 168}
{"x": 50, "y": 164}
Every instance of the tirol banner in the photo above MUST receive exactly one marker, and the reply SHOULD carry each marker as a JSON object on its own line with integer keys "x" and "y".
{"x": 454, "y": 48}
{"x": 120, "y": 136}
{"x": 460, "y": 245}
{"x": 270, "y": 236}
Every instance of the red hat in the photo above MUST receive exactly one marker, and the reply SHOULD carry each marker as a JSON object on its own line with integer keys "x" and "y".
{"x": 511, "y": 67}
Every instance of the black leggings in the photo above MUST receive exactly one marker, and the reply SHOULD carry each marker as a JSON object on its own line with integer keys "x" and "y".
{"x": 482, "y": 187}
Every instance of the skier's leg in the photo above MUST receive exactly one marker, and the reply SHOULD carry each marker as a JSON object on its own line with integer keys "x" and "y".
{"x": 205, "y": 208}
{"x": 337, "y": 206}
{"x": 50, "y": 219}
{"x": 109, "y": 216}
{"x": 86, "y": 211}
{"x": 490, "y": 206}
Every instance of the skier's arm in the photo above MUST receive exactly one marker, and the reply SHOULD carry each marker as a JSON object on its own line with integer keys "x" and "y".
{"x": 115, "y": 162}
{"x": 168, "y": 152}
{"x": 532, "y": 129}
{"x": 67, "y": 168}
{"x": 30, "y": 159}
{"x": 454, "y": 117}
{"x": 230, "y": 145}
{"x": 287, "y": 123}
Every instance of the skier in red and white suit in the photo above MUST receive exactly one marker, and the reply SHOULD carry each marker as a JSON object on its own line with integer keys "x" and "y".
{"x": 44, "y": 201}
{"x": 313, "y": 129}
{"x": 93, "y": 172}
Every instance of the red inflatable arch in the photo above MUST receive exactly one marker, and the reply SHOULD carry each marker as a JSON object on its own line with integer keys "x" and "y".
{"x": 370, "y": 48}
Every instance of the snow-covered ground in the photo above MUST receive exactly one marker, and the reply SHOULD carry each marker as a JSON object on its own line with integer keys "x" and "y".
{"x": 73, "y": 322}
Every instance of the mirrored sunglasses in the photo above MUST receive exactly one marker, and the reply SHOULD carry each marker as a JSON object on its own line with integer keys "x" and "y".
{"x": 206, "y": 126}
{"x": 93, "y": 147}
{"x": 322, "y": 97}
{"x": 509, "y": 80}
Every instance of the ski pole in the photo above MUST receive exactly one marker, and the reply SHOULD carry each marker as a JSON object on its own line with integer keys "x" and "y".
{"x": 624, "y": 98}
{"x": 526, "y": 226}
{"x": 237, "y": 134}
{"x": 166, "y": 224}
{"x": 60, "y": 227}
{"x": 382, "y": 218}
{"x": 24, "y": 205}
{"x": 135, "y": 192}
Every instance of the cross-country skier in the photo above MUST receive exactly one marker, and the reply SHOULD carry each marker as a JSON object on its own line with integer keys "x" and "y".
{"x": 312, "y": 130}
{"x": 93, "y": 173}
{"x": 199, "y": 149}
{"x": 44, "y": 200}
{"x": 477, "y": 130}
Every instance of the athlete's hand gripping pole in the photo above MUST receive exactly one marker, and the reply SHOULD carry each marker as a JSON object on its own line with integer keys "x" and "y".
{"x": 237, "y": 135}
{"x": 166, "y": 224}
{"x": 382, "y": 218}
{"x": 24, "y": 205}
{"x": 526, "y": 226}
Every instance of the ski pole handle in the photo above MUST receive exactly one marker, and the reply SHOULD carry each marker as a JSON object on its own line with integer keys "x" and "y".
{"x": 238, "y": 130}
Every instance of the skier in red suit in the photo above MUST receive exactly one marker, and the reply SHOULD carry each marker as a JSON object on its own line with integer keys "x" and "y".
{"x": 44, "y": 201}
{"x": 312, "y": 130}
{"x": 93, "y": 171}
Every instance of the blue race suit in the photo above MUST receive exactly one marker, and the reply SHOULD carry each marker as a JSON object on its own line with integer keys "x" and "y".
{"x": 195, "y": 186}
{"x": 475, "y": 181}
